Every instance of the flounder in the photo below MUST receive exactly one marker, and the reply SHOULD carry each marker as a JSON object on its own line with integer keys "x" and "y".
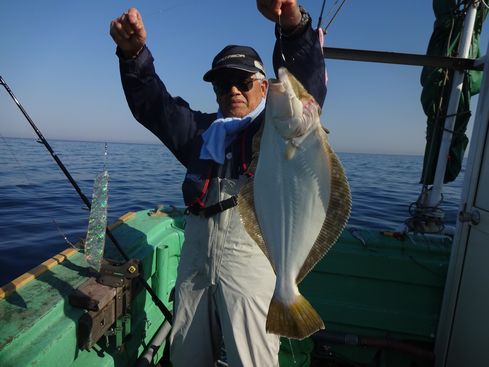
{"x": 298, "y": 202}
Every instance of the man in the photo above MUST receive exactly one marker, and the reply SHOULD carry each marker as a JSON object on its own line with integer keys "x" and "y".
{"x": 224, "y": 283}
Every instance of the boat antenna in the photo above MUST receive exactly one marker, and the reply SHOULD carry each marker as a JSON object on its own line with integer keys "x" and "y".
{"x": 154, "y": 296}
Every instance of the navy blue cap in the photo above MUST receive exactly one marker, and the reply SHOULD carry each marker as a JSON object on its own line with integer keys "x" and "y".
{"x": 235, "y": 57}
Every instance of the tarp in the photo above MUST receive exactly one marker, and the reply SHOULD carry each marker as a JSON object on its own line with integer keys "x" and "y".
{"x": 435, "y": 95}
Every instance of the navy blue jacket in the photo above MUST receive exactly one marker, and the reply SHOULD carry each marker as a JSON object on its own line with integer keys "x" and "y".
{"x": 180, "y": 128}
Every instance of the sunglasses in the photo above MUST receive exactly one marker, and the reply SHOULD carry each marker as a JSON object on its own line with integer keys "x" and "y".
{"x": 223, "y": 86}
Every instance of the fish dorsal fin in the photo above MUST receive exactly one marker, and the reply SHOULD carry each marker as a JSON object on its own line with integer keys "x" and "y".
{"x": 246, "y": 200}
{"x": 246, "y": 206}
{"x": 336, "y": 215}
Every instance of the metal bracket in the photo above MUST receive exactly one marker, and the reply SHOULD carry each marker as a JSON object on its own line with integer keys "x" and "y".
{"x": 114, "y": 274}
{"x": 107, "y": 300}
{"x": 473, "y": 216}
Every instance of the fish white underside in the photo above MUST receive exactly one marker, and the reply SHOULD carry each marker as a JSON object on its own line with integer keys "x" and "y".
{"x": 291, "y": 211}
{"x": 298, "y": 202}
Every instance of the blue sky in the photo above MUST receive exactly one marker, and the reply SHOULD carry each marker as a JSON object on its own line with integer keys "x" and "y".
{"x": 58, "y": 58}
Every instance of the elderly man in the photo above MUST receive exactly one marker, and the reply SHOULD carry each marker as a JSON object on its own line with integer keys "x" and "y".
{"x": 224, "y": 283}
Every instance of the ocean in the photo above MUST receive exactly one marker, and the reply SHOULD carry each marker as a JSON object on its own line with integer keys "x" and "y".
{"x": 40, "y": 211}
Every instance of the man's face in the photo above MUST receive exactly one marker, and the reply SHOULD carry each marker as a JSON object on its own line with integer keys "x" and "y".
{"x": 238, "y": 92}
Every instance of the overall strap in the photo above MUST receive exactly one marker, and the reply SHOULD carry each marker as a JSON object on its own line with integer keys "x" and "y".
{"x": 198, "y": 207}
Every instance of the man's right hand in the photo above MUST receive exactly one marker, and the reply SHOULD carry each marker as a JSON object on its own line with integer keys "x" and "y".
{"x": 287, "y": 10}
{"x": 128, "y": 32}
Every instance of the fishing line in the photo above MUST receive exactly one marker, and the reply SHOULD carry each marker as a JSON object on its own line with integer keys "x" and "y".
{"x": 425, "y": 267}
{"x": 169, "y": 8}
{"x": 320, "y": 19}
{"x": 154, "y": 296}
{"x": 16, "y": 160}
{"x": 292, "y": 350}
{"x": 105, "y": 157}
{"x": 28, "y": 183}
{"x": 64, "y": 236}
{"x": 280, "y": 37}
{"x": 46, "y": 144}
{"x": 335, "y": 14}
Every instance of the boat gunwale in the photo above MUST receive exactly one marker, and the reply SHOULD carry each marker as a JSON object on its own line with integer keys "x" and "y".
{"x": 13, "y": 286}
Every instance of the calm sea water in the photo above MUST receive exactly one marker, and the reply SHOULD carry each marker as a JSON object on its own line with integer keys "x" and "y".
{"x": 38, "y": 205}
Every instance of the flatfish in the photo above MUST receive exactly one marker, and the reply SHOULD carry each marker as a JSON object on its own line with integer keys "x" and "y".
{"x": 298, "y": 202}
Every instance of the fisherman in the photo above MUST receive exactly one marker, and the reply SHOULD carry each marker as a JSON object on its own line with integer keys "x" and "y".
{"x": 224, "y": 282}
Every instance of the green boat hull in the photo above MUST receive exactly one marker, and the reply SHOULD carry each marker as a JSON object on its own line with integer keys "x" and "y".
{"x": 382, "y": 295}
{"x": 369, "y": 286}
{"x": 39, "y": 326}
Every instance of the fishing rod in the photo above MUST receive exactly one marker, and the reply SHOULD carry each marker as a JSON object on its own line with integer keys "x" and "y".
{"x": 320, "y": 19}
{"x": 154, "y": 296}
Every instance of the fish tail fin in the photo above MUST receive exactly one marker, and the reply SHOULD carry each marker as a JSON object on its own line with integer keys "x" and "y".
{"x": 297, "y": 320}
